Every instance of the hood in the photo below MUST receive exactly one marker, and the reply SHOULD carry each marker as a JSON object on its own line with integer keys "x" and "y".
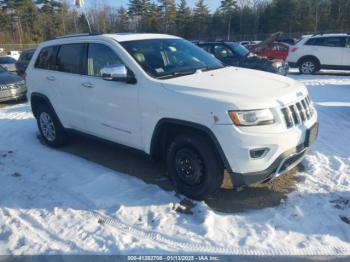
{"x": 244, "y": 89}
{"x": 8, "y": 78}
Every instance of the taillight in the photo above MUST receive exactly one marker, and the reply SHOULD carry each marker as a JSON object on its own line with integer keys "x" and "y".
{"x": 294, "y": 49}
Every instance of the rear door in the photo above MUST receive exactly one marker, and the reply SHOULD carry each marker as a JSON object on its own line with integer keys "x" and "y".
{"x": 328, "y": 50}
{"x": 67, "y": 82}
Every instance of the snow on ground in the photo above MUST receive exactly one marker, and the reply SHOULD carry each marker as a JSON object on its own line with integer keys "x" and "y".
{"x": 53, "y": 202}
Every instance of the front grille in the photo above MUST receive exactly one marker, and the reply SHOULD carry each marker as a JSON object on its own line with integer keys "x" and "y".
{"x": 7, "y": 86}
{"x": 296, "y": 114}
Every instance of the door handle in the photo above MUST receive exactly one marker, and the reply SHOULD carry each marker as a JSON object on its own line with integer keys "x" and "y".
{"x": 51, "y": 78}
{"x": 87, "y": 85}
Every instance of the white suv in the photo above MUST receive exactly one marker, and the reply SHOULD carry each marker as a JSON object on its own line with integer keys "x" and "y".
{"x": 321, "y": 51}
{"x": 168, "y": 98}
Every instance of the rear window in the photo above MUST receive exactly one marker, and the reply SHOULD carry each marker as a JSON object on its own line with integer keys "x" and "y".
{"x": 70, "y": 58}
{"x": 46, "y": 57}
{"x": 25, "y": 57}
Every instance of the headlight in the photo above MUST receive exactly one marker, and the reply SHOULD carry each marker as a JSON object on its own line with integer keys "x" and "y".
{"x": 252, "y": 118}
{"x": 277, "y": 64}
{"x": 20, "y": 83}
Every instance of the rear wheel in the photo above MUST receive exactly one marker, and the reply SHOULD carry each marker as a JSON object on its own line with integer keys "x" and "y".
{"x": 308, "y": 66}
{"x": 193, "y": 166}
{"x": 50, "y": 128}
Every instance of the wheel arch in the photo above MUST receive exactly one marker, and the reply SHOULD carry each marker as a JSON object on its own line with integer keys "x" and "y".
{"x": 37, "y": 99}
{"x": 309, "y": 57}
{"x": 167, "y": 128}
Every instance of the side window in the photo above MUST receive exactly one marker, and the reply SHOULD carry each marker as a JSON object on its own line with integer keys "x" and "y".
{"x": 282, "y": 47}
{"x": 206, "y": 48}
{"x": 99, "y": 56}
{"x": 334, "y": 41}
{"x": 45, "y": 58}
{"x": 327, "y": 41}
{"x": 70, "y": 58}
{"x": 221, "y": 51}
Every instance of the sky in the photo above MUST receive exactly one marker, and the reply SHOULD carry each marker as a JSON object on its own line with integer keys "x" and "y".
{"x": 212, "y": 4}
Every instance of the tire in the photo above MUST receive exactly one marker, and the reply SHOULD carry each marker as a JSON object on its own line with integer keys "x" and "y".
{"x": 308, "y": 66}
{"x": 50, "y": 128}
{"x": 193, "y": 166}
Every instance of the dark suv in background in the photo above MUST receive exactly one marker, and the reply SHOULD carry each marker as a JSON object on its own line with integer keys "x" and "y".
{"x": 23, "y": 61}
{"x": 235, "y": 54}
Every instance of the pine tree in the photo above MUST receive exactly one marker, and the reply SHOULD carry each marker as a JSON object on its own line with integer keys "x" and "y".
{"x": 139, "y": 13}
{"x": 227, "y": 8}
{"x": 122, "y": 21}
{"x": 183, "y": 19}
{"x": 167, "y": 10}
{"x": 201, "y": 19}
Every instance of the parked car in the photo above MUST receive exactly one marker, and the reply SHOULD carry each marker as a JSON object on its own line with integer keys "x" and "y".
{"x": 8, "y": 63}
{"x": 234, "y": 54}
{"x": 23, "y": 61}
{"x": 14, "y": 54}
{"x": 12, "y": 87}
{"x": 274, "y": 50}
{"x": 168, "y": 98}
{"x": 321, "y": 51}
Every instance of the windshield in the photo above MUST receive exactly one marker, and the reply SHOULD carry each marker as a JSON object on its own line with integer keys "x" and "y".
{"x": 7, "y": 60}
{"x": 166, "y": 58}
{"x": 238, "y": 49}
{"x": 2, "y": 70}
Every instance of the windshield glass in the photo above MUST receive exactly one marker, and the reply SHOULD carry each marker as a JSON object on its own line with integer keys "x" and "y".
{"x": 166, "y": 58}
{"x": 7, "y": 60}
{"x": 2, "y": 69}
{"x": 238, "y": 49}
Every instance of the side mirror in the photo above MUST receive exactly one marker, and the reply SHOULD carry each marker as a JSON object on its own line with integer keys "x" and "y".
{"x": 118, "y": 72}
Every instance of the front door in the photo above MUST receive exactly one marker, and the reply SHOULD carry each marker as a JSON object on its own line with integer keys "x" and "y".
{"x": 111, "y": 107}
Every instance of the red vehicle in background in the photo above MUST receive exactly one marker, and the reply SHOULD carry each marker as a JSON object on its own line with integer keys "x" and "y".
{"x": 273, "y": 50}
{"x": 270, "y": 48}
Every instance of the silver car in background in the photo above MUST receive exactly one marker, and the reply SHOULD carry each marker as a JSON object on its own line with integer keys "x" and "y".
{"x": 12, "y": 87}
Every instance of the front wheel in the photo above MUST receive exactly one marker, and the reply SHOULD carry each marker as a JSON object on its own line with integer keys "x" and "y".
{"x": 193, "y": 166}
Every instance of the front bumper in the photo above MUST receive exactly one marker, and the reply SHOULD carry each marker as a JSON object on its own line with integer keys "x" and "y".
{"x": 285, "y": 162}
{"x": 282, "y": 70}
{"x": 12, "y": 94}
{"x": 286, "y": 149}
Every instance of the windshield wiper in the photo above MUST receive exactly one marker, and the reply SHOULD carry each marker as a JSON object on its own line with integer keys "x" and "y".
{"x": 204, "y": 69}
{"x": 177, "y": 74}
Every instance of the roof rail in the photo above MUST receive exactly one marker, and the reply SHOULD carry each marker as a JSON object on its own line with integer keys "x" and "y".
{"x": 77, "y": 35}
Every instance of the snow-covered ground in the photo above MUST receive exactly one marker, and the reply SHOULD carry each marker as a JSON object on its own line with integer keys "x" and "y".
{"x": 54, "y": 202}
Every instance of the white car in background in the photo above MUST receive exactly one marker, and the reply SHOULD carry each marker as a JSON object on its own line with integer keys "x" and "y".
{"x": 170, "y": 99}
{"x": 321, "y": 51}
{"x": 14, "y": 54}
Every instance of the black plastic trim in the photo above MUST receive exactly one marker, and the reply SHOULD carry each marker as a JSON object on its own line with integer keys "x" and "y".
{"x": 254, "y": 177}
{"x": 206, "y": 130}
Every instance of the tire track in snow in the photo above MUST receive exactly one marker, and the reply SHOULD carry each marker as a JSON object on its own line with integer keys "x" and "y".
{"x": 199, "y": 248}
